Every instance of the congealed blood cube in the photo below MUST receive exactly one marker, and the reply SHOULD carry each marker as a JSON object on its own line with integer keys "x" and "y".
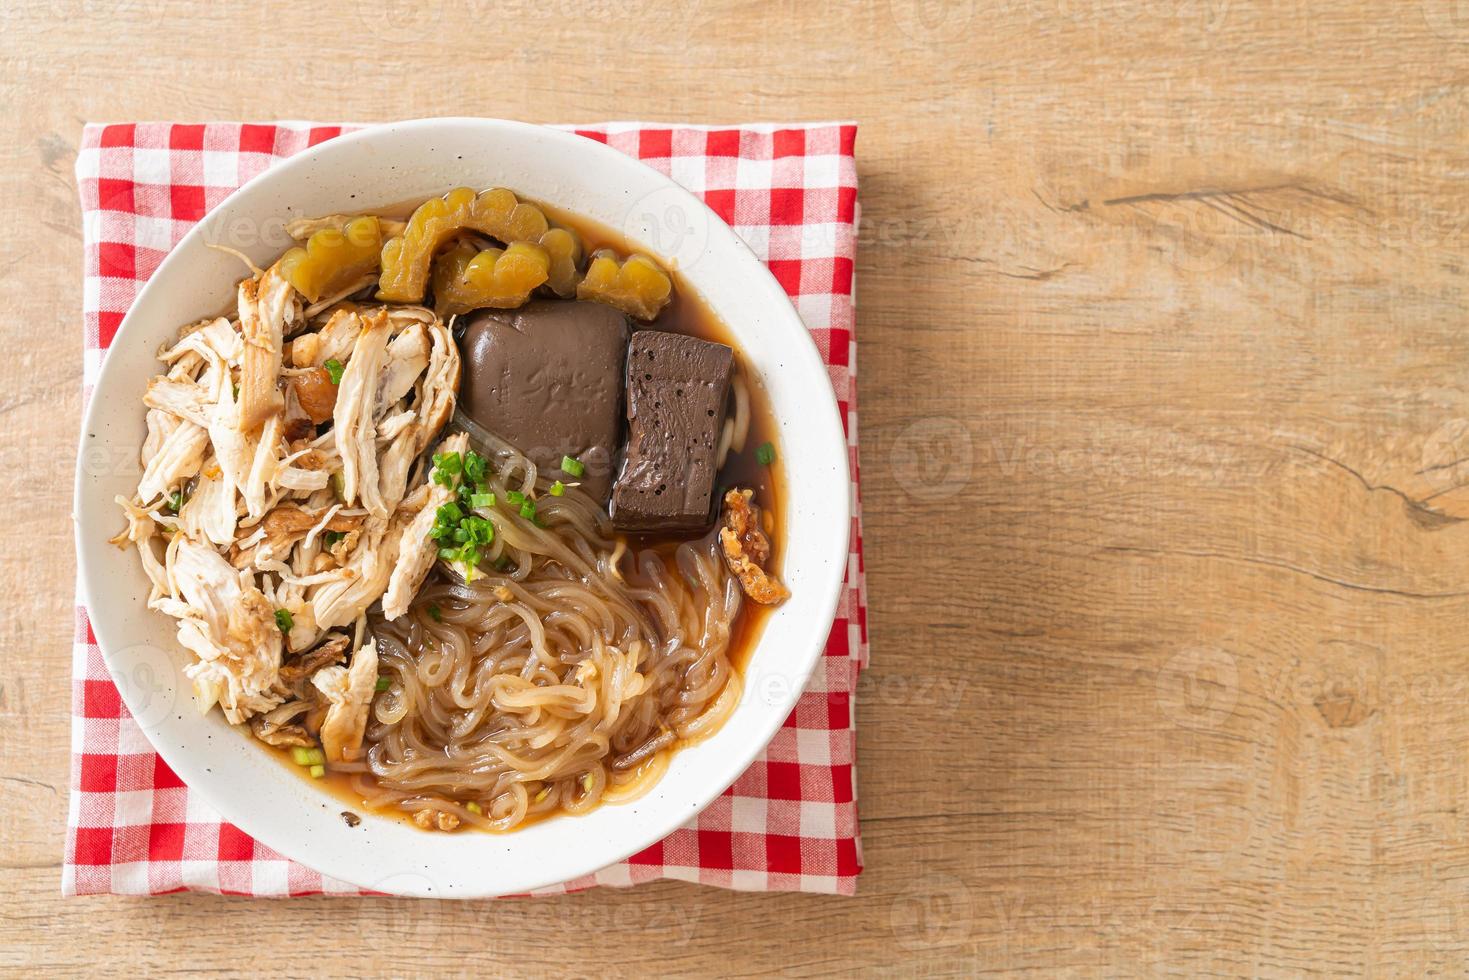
{"x": 547, "y": 378}
{"x": 677, "y": 387}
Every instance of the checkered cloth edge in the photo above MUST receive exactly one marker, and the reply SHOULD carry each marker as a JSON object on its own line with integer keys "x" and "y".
{"x": 790, "y": 822}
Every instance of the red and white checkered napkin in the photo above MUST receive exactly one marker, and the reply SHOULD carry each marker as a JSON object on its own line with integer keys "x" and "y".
{"x": 789, "y": 823}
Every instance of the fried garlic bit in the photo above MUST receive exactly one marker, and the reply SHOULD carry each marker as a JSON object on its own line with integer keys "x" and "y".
{"x": 747, "y": 549}
{"x": 497, "y": 213}
{"x": 637, "y": 286}
{"x": 334, "y": 258}
{"x": 431, "y": 819}
{"x": 468, "y": 279}
{"x": 565, "y": 249}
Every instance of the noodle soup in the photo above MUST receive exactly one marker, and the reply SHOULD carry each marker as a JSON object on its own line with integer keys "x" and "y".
{"x": 518, "y": 524}
{"x": 446, "y": 656}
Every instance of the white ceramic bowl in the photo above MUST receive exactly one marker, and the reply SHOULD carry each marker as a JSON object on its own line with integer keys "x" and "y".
{"x": 376, "y": 167}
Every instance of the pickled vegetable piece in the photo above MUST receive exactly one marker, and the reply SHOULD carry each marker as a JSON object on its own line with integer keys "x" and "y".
{"x": 303, "y": 228}
{"x": 334, "y": 259}
{"x": 637, "y": 287}
{"x": 467, "y": 279}
{"x": 565, "y": 249}
{"x": 497, "y": 213}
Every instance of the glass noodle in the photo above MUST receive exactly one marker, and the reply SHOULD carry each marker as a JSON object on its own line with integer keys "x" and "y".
{"x": 563, "y": 680}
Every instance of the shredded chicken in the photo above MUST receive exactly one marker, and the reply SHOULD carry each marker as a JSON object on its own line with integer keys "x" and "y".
{"x": 231, "y": 628}
{"x": 349, "y": 693}
{"x": 747, "y": 549}
{"x": 267, "y": 308}
{"x": 416, "y": 550}
{"x": 178, "y": 459}
{"x": 263, "y": 537}
{"x": 275, "y": 726}
{"x": 352, "y": 418}
{"x": 186, "y": 399}
{"x": 282, "y": 528}
{"x": 296, "y": 672}
{"x": 335, "y": 340}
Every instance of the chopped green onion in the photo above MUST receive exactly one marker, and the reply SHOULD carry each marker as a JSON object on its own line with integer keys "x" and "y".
{"x": 283, "y": 620}
{"x": 515, "y": 497}
{"x": 480, "y": 530}
{"x": 450, "y": 513}
{"x": 475, "y": 467}
{"x": 474, "y": 807}
{"x": 332, "y": 537}
{"x": 318, "y": 771}
{"x": 433, "y": 611}
{"x": 765, "y": 455}
{"x": 572, "y": 465}
{"x": 304, "y": 756}
{"x": 528, "y": 510}
{"x": 558, "y": 488}
{"x": 449, "y": 554}
{"x": 481, "y": 501}
{"x": 334, "y": 369}
{"x": 382, "y": 684}
{"x": 176, "y": 501}
{"x": 451, "y": 463}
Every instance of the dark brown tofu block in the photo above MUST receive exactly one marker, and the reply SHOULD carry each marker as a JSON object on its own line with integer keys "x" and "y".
{"x": 547, "y": 378}
{"x": 676, "y": 391}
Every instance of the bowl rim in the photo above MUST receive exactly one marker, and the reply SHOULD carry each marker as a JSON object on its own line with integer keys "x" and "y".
{"x": 821, "y": 411}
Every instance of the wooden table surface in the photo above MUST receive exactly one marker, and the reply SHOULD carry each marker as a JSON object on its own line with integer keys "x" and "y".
{"x": 1165, "y": 419}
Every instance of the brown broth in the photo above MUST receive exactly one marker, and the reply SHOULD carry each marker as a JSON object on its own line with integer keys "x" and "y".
{"x": 687, "y": 313}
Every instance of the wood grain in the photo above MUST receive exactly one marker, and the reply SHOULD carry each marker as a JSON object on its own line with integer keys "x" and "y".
{"x": 1165, "y": 420}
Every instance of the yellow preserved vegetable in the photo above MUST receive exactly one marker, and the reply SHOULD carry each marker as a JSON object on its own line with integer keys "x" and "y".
{"x": 497, "y": 213}
{"x": 333, "y": 259}
{"x": 565, "y": 248}
{"x": 468, "y": 279}
{"x": 637, "y": 287}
